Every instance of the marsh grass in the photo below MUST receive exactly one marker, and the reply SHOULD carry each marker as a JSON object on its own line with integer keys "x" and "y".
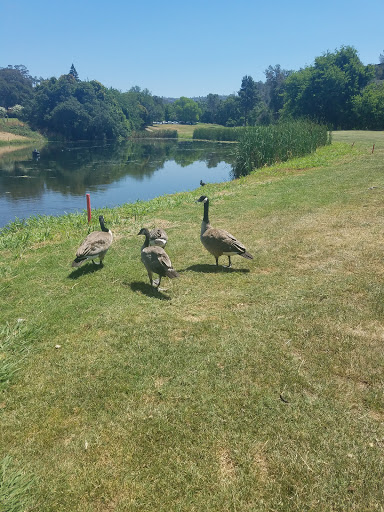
{"x": 265, "y": 145}
{"x": 258, "y": 388}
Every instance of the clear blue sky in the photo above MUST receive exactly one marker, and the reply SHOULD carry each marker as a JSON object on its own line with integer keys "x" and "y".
{"x": 176, "y": 48}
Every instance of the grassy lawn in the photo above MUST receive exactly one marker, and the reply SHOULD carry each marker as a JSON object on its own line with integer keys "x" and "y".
{"x": 253, "y": 389}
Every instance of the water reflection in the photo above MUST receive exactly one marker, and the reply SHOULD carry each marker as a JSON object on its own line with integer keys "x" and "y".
{"x": 113, "y": 172}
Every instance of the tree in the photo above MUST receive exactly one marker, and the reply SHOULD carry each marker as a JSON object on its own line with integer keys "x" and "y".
{"x": 369, "y": 107}
{"x": 77, "y": 110}
{"x": 210, "y": 109}
{"x": 275, "y": 78}
{"x": 229, "y": 112}
{"x": 248, "y": 95}
{"x": 74, "y": 73}
{"x": 16, "y": 86}
{"x": 325, "y": 91}
{"x": 187, "y": 110}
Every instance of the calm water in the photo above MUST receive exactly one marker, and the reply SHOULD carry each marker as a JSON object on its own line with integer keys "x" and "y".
{"x": 112, "y": 174}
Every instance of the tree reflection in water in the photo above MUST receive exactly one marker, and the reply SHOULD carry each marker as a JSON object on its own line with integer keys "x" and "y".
{"x": 66, "y": 172}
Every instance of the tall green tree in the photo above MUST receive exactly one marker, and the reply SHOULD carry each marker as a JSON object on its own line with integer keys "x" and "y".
{"x": 249, "y": 96}
{"x": 230, "y": 112}
{"x": 77, "y": 110}
{"x": 210, "y": 109}
{"x": 74, "y": 73}
{"x": 325, "y": 91}
{"x": 369, "y": 107}
{"x": 275, "y": 78}
{"x": 16, "y": 86}
{"x": 187, "y": 110}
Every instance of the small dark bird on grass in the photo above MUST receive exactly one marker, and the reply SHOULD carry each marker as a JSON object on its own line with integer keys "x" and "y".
{"x": 95, "y": 245}
{"x": 218, "y": 241}
{"x": 156, "y": 261}
{"x": 202, "y": 184}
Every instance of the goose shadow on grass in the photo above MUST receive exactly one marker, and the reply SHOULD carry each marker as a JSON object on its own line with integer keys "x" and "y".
{"x": 213, "y": 269}
{"x": 89, "y": 268}
{"x": 147, "y": 289}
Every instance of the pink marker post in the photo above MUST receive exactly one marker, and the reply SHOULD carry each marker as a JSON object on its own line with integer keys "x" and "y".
{"x": 89, "y": 207}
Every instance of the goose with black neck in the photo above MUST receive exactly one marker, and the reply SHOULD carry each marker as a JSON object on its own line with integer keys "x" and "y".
{"x": 95, "y": 245}
{"x": 219, "y": 242}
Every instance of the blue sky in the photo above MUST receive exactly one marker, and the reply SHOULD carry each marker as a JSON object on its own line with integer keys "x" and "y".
{"x": 176, "y": 48}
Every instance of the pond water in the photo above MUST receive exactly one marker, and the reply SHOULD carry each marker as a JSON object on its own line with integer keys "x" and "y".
{"x": 112, "y": 173}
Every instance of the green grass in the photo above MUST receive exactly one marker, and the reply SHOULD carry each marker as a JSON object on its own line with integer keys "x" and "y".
{"x": 14, "y": 487}
{"x": 253, "y": 389}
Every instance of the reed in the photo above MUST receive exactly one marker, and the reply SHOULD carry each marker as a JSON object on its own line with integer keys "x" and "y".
{"x": 265, "y": 145}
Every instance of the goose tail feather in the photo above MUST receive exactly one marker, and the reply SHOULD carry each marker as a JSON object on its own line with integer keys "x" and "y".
{"x": 76, "y": 262}
{"x": 246, "y": 255}
{"x": 171, "y": 273}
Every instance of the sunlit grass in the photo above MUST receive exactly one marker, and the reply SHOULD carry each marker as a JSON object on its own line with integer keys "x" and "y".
{"x": 256, "y": 388}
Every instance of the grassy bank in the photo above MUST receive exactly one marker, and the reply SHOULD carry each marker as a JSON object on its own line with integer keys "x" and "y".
{"x": 252, "y": 389}
{"x": 14, "y": 132}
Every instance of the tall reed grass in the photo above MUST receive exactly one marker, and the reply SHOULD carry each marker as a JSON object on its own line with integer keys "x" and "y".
{"x": 265, "y": 145}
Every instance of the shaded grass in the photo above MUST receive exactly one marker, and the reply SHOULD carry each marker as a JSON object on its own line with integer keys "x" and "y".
{"x": 253, "y": 389}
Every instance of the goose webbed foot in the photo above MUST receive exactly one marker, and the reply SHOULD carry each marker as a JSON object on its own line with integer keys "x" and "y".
{"x": 229, "y": 263}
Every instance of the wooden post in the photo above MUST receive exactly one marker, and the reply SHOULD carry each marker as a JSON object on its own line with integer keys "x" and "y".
{"x": 89, "y": 207}
{"x": 373, "y": 149}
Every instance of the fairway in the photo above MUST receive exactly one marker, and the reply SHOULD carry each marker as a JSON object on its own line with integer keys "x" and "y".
{"x": 255, "y": 388}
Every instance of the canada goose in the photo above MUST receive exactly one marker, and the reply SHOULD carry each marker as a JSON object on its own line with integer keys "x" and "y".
{"x": 202, "y": 184}
{"x": 155, "y": 260}
{"x": 158, "y": 236}
{"x": 96, "y": 244}
{"x": 219, "y": 241}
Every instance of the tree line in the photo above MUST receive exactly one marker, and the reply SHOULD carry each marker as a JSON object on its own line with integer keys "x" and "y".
{"x": 337, "y": 90}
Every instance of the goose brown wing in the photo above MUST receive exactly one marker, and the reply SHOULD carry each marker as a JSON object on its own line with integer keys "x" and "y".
{"x": 223, "y": 241}
{"x": 156, "y": 259}
{"x": 94, "y": 244}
